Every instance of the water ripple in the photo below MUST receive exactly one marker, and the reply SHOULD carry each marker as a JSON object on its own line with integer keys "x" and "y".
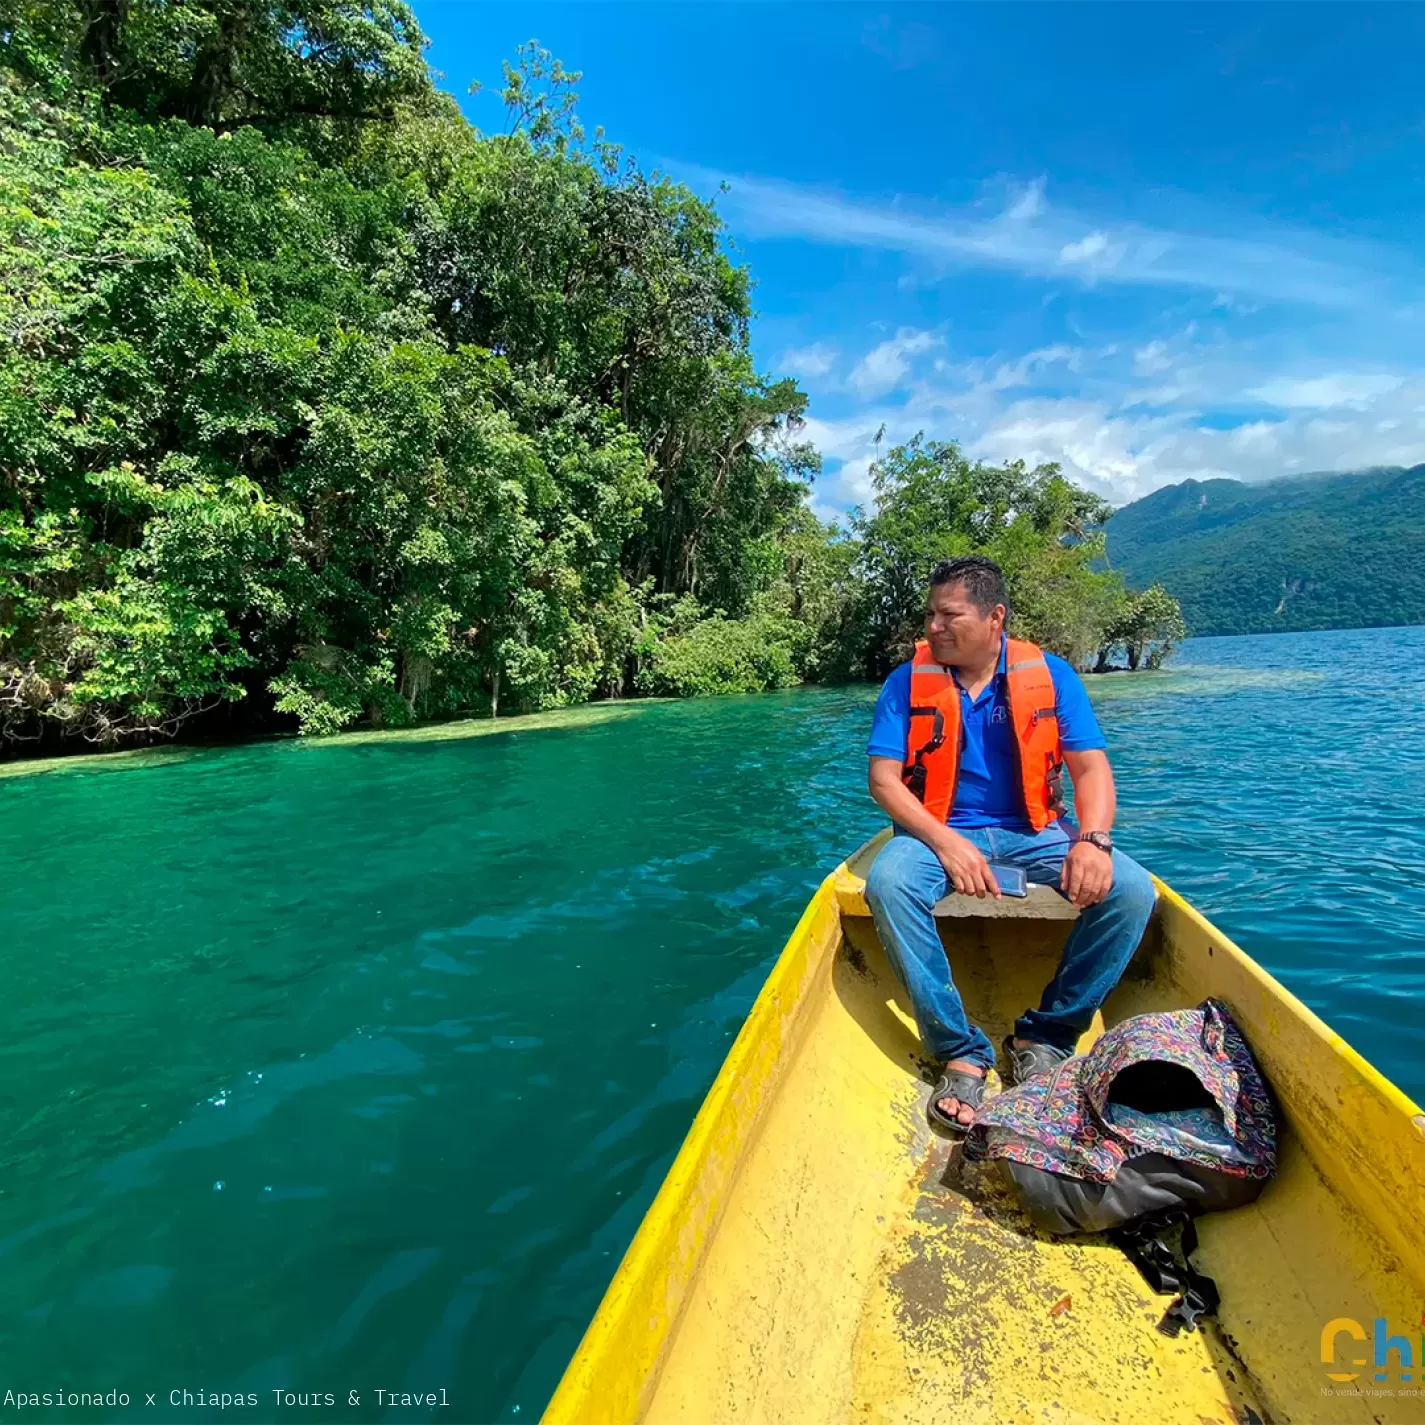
{"x": 437, "y": 1011}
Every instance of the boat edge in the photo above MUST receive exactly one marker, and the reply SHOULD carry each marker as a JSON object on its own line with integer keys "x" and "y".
{"x": 757, "y": 1056}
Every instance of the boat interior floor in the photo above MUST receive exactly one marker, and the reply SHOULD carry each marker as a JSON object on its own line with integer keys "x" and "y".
{"x": 862, "y": 1271}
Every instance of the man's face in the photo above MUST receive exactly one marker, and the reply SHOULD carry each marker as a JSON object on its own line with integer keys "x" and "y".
{"x": 958, "y": 633}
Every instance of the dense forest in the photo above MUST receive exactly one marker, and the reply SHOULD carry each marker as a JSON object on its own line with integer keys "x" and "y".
{"x": 319, "y": 405}
{"x": 1315, "y": 551}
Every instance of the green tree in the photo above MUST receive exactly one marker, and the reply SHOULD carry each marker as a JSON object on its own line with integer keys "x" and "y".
{"x": 1146, "y": 625}
{"x": 933, "y": 503}
{"x": 317, "y": 403}
{"x": 223, "y": 63}
{"x": 374, "y": 427}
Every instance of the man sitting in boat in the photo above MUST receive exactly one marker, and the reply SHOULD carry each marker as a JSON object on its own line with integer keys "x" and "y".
{"x": 967, "y": 753}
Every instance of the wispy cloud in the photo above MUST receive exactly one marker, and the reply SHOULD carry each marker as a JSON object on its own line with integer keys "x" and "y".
{"x": 1093, "y": 253}
{"x": 999, "y": 375}
{"x": 811, "y": 361}
{"x": 884, "y": 367}
{"x": 1149, "y": 360}
{"x": 1033, "y": 236}
{"x": 1027, "y": 202}
{"x": 906, "y": 45}
{"x": 1357, "y": 390}
{"x": 1127, "y": 454}
{"x": 1078, "y": 408}
{"x": 1127, "y": 390}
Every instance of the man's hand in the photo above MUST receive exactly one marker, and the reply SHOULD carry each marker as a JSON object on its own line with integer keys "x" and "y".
{"x": 966, "y": 866}
{"x": 1087, "y": 876}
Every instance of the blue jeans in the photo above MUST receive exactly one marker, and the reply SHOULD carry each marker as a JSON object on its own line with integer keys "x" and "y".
{"x": 907, "y": 878}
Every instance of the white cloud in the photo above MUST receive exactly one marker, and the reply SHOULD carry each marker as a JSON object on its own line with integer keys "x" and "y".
{"x": 1032, "y": 364}
{"x": 884, "y": 367}
{"x": 1126, "y": 410}
{"x": 1095, "y": 447}
{"x": 1226, "y": 302}
{"x": 1158, "y": 397}
{"x": 1127, "y": 454}
{"x": 840, "y": 491}
{"x": 1027, "y": 203}
{"x": 1151, "y": 359}
{"x": 1094, "y": 255}
{"x": 809, "y": 361}
{"x": 1074, "y": 406}
{"x": 1030, "y": 235}
{"x": 851, "y": 446}
{"x": 1325, "y": 392}
{"x": 853, "y": 481}
{"x": 1085, "y": 249}
{"x": 843, "y": 439}
{"x": 986, "y": 376}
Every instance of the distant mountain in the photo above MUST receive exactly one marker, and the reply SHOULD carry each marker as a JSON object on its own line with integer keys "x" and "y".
{"x": 1312, "y": 551}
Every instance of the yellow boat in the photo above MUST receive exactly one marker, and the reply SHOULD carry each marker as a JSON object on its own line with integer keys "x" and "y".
{"x": 817, "y": 1253}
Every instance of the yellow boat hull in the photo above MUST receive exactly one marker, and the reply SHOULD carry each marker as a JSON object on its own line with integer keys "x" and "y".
{"x": 818, "y": 1254}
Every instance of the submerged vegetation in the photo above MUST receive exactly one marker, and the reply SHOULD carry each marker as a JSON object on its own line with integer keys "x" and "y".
{"x": 320, "y": 406}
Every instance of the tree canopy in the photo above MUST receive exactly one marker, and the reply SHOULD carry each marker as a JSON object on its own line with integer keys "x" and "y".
{"x": 933, "y": 503}
{"x": 319, "y": 405}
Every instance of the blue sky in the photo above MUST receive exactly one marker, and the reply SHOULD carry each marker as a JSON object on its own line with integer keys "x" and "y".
{"x": 1146, "y": 241}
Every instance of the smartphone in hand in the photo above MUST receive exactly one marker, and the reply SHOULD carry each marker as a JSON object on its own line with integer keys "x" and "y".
{"x": 1010, "y": 879}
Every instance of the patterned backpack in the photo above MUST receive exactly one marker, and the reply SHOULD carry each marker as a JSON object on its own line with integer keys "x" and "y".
{"x": 1166, "y": 1117}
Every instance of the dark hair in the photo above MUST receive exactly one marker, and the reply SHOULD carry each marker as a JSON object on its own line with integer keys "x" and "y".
{"x": 983, "y": 580}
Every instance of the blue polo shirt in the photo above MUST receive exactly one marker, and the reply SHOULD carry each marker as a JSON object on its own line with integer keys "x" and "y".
{"x": 988, "y": 790}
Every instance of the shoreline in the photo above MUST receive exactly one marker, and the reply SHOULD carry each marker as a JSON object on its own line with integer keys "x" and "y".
{"x": 581, "y": 714}
{"x": 455, "y": 730}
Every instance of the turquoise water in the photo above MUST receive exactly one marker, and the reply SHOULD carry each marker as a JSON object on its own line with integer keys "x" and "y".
{"x": 351, "y": 1066}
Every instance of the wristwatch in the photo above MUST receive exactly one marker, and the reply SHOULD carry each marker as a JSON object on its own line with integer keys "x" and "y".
{"x": 1101, "y": 839}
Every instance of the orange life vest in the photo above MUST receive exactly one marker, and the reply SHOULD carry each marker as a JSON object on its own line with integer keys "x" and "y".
{"x": 932, "y": 760}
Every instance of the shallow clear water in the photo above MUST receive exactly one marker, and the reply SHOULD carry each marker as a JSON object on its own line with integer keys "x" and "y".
{"x": 337, "y": 1067}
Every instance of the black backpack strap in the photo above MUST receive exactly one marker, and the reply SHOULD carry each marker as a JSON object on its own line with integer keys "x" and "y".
{"x": 918, "y": 774}
{"x": 1145, "y": 1243}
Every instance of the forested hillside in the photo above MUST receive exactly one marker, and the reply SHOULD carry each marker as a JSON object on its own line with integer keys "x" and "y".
{"x": 319, "y": 405}
{"x": 1317, "y": 551}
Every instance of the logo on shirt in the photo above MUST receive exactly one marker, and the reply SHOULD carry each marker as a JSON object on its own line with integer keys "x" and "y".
{"x": 1000, "y": 714}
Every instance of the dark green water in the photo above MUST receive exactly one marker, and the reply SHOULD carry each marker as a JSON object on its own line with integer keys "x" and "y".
{"x": 352, "y": 1066}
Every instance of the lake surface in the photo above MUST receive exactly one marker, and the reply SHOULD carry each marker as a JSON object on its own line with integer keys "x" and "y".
{"x": 351, "y": 1066}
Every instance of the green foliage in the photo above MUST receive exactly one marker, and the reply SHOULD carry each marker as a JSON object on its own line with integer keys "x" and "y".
{"x": 1319, "y": 551}
{"x": 697, "y": 656}
{"x": 326, "y": 689}
{"x": 933, "y": 504}
{"x": 819, "y": 587}
{"x": 378, "y": 419}
{"x": 222, "y": 63}
{"x": 319, "y": 404}
{"x": 1145, "y": 625}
